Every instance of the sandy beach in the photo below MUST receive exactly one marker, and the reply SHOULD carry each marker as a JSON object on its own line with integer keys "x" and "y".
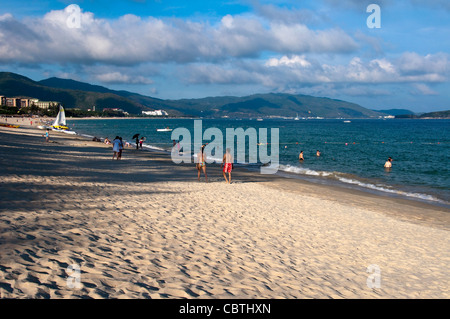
{"x": 144, "y": 227}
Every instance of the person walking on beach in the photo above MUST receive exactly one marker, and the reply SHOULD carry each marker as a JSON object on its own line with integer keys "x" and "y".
{"x": 201, "y": 164}
{"x": 116, "y": 147}
{"x": 141, "y": 141}
{"x": 227, "y": 163}
{"x": 300, "y": 156}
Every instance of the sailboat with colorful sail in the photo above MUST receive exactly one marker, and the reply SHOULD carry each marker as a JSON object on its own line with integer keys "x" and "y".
{"x": 60, "y": 120}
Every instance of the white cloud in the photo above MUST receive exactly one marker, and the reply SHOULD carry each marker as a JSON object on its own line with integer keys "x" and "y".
{"x": 117, "y": 77}
{"x": 285, "y": 72}
{"x": 423, "y": 89}
{"x": 413, "y": 64}
{"x": 274, "y": 48}
{"x": 227, "y": 21}
{"x": 294, "y": 61}
{"x": 131, "y": 40}
{"x": 299, "y": 38}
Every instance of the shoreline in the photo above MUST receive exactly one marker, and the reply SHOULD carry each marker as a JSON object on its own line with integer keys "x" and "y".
{"x": 356, "y": 183}
{"x": 439, "y": 203}
{"x": 144, "y": 227}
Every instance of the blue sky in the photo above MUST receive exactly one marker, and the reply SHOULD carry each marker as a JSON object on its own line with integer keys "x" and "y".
{"x": 191, "y": 49}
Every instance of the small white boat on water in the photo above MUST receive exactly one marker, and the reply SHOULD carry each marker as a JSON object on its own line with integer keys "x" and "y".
{"x": 347, "y": 121}
{"x": 167, "y": 129}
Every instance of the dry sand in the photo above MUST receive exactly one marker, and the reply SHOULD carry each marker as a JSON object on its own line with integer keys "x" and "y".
{"x": 144, "y": 227}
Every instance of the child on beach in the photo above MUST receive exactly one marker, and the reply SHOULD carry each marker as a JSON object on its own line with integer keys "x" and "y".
{"x": 116, "y": 147}
{"x": 47, "y": 136}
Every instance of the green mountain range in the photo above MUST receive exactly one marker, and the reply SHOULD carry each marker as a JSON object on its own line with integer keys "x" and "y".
{"x": 74, "y": 94}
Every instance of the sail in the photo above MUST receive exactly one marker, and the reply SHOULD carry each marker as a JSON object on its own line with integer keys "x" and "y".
{"x": 60, "y": 118}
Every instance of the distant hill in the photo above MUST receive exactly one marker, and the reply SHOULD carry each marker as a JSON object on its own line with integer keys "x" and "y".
{"x": 397, "y": 112}
{"x": 441, "y": 114}
{"x": 74, "y": 94}
{"x": 143, "y": 103}
{"x": 276, "y": 104}
{"x": 14, "y": 85}
{"x": 73, "y": 85}
{"x": 432, "y": 115}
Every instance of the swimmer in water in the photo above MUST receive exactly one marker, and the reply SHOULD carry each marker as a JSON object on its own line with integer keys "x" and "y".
{"x": 388, "y": 163}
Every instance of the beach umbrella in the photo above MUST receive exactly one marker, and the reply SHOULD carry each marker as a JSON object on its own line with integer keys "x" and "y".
{"x": 135, "y": 136}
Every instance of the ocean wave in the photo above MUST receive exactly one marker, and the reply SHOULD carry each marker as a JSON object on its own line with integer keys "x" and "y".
{"x": 387, "y": 189}
{"x": 303, "y": 171}
{"x": 153, "y": 147}
{"x": 347, "y": 180}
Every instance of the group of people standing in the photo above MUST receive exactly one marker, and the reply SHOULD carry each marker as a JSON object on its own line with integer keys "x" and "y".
{"x": 226, "y": 166}
{"x": 118, "y": 145}
{"x": 139, "y": 142}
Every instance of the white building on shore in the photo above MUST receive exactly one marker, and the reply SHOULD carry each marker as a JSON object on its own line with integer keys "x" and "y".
{"x": 155, "y": 113}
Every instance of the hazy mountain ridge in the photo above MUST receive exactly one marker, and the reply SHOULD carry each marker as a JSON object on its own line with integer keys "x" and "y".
{"x": 396, "y": 112}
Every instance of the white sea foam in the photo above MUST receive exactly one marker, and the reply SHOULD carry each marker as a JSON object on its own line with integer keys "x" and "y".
{"x": 387, "y": 189}
{"x": 353, "y": 181}
{"x": 303, "y": 171}
{"x": 152, "y": 147}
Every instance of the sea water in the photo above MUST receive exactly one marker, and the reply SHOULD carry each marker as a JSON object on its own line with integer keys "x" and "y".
{"x": 352, "y": 154}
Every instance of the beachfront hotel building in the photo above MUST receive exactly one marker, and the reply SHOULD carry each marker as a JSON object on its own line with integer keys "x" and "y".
{"x": 9, "y": 101}
{"x": 44, "y": 104}
{"x": 21, "y": 102}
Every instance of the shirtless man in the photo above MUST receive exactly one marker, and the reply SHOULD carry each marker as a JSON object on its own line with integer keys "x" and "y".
{"x": 227, "y": 163}
{"x": 300, "y": 157}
